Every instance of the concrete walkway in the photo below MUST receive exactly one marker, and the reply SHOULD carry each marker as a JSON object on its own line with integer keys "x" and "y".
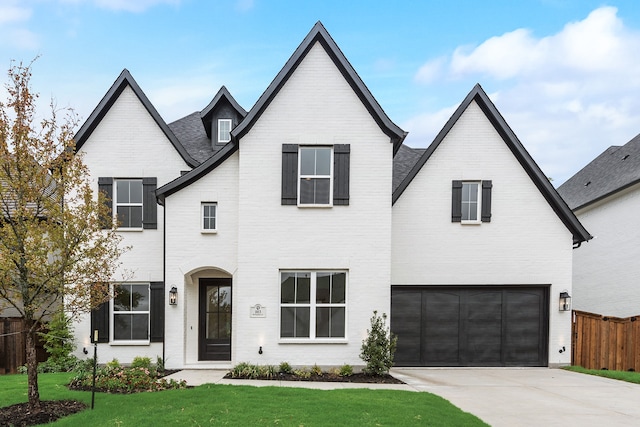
{"x": 498, "y": 396}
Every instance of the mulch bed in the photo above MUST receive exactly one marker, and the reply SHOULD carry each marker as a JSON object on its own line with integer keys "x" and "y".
{"x": 328, "y": 377}
{"x": 50, "y": 410}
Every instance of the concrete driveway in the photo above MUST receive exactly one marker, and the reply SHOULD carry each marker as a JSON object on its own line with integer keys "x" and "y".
{"x": 531, "y": 396}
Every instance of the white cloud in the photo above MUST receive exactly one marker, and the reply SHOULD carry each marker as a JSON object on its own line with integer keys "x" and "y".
{"x": 244, "y": 5}
{"x": 133, "y": 5}
{"x": 568, "y": 95}
{"x": 11, "y": 14}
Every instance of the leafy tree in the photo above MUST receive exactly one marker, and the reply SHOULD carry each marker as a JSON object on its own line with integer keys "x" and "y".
{"x": 53, "y": 250}
{"x": 379, "y": 347}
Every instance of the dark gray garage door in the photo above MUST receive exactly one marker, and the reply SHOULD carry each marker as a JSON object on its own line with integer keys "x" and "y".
{"x": 470, "y": 326}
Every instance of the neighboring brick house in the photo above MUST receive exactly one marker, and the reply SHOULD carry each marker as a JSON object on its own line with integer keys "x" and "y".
{"x": 280, "y": 230}
{"x": 605, "y": 196}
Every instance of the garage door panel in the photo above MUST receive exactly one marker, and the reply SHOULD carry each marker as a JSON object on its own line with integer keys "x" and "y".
{"x": 471, "y": 326}
{"x": 441, "y": 316}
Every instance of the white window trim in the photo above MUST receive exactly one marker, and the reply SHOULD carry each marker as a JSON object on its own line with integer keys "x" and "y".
{"x": 208, "y": 230}
{"x": 112, "y": 340}
{"x": 312, "y": 311}
{"x": 330, "y": 176}
{"x": 478, "y": 219}
{"x": 116, "y": 204}
{"x": 219, "y": 139}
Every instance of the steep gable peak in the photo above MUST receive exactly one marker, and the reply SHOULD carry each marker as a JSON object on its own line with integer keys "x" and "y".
{"x": 124, "y": 80}
{"x": 479, "y": 96}
{"x": 320, "y": 35}
{"x": 223, "y": 96}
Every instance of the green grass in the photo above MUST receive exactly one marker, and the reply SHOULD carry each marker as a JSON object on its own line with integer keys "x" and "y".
{"x": 631, "y": 377}
{"x": 245, "y": 405}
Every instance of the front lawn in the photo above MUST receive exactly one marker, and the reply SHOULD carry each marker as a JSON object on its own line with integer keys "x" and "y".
{"x": 631, "y": 377}
{"x": 244, "y": 405}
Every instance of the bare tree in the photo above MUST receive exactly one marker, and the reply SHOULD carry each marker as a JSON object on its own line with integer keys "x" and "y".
{"x": 58, "y": 248}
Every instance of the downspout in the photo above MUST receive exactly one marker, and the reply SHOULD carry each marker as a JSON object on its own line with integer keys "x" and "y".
{"x": 164, "y": 277}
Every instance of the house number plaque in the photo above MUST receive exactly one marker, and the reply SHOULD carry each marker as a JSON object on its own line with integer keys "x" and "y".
{"x": 258, "y": 311}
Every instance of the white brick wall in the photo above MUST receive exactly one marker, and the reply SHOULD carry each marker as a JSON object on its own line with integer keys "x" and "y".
{"x": 129, "y": 143}
{"x": 606, "y": 269}
{"x": 525, "y": 242}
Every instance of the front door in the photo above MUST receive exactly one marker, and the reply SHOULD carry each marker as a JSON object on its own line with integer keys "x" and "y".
{"x": 215, "y": 319}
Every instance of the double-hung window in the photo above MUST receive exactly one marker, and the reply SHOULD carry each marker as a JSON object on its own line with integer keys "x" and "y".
{"x": 316, "y": 180}
{"x": 471, "y": 201}
{"x": 209, "y": 213}
{"x": 131, "y": 312}
{"x": 129, "y": 203}
{"x": 313, "y": 304}
{"x": 224, "y": 130}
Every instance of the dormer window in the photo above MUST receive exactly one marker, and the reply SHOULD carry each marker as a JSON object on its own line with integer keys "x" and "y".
{"x": 224, "y": 130}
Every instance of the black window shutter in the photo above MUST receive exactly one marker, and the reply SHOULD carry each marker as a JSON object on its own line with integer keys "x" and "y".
{"x": 100, "y": 322}
{"x": 341, "y": 153}
{"x": 486, "y": 201}
{"x": 149, "y": 205}
{"x": 456, "y": 201}
{"x": 156, "y": 333}
{"x": 289, "y": 174}
{"x": 105, "y": 185}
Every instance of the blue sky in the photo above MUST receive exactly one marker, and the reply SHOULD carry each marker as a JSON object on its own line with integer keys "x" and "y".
{"x": 565, "y": 74}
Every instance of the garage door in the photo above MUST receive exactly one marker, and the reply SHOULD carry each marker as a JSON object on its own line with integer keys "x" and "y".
{"x": 470, "y": 326}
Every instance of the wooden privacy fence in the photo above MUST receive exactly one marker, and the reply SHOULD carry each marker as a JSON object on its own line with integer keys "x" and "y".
{"x": 12, "y": 341}
{"x": 601, "y": 342}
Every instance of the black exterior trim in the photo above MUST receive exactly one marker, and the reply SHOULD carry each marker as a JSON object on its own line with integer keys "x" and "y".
{"x": 477, "y": 94}
{"x": 319, "y": 34}
{"x": 105, "y": 185}
{"x": 156, "y": 312}
{"x": 100, "y": 322}
{"x": 486, "y": 201}
{"x": 149, "y": 206}
{"x": 456, "y": 201}
{"x": 289, "y": 174}
{"x": 125, "y": 79}
{"x": 205, "y": 115}
{"x": 341, "y": 159}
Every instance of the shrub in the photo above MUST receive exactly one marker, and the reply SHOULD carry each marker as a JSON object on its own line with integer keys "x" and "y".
{"x": 58, "y": 342}
{"x": 345, "y": 370}
{"x": 113, "y": 364}
{"x": 315, "y": 370}
{"x": 379, "y": 347}
{"x": 302, "y": 373}
{"x": 141, "y": 362}
{"x": 285, "y": 368}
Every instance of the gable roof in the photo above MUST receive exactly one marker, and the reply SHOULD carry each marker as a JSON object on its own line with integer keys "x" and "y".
{"x": 319, "y": 34}
{"x": 223, "y": 93}
{"x": 125, "y": 79}
{"x": 616, "y": 169}
{"x": 477, "y": 94}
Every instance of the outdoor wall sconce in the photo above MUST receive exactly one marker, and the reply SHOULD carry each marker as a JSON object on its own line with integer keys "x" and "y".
{"x": 173, "y": 296}
{"x": 260, "y": 350}
{"x": 565, "y": 301}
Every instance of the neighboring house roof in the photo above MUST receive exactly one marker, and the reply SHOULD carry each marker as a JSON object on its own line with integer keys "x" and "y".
{"x": 477, "y": 94}
{"x": 125, "y": 79}
{"x": 616, "y": 169}
{"x": 319, "y": 34}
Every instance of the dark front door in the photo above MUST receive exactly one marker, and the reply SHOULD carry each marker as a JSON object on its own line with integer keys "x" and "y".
{"x": 215, "y": 319}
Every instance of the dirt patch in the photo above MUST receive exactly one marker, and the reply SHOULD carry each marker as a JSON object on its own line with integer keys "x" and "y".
{"x": 328, "y": 377}
{"x": 50, "y": 410}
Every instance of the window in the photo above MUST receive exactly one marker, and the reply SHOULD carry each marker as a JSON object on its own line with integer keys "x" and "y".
{"x": 315, "y": 176}
{"x": 129, "y": 203}
{"x": 209, "y": 211}
{"x": 134, "y": 200}
{"x": 224, "y": 130}
{"x": 471, "y": 201}
{"x": 313, "y": 304}
{"x": 131, "y": 312}
{"x": 325, "y": 175}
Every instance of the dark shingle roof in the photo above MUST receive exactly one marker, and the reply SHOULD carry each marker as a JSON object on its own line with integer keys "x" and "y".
{"x": 403, "y": 162}
{"x": 192, "y": 135}
{"x": 614, "y": 170}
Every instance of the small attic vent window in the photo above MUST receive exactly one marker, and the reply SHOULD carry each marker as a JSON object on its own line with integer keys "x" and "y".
{"x": 626, "y": 156}
{"x": 224, "y": 130}
{"x": 587, "y": 184}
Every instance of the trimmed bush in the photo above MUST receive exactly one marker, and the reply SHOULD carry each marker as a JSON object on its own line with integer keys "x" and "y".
{"x": 379, "y": 347}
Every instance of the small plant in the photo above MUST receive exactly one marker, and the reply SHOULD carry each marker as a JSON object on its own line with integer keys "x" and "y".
{"x": 141, "y": 362}
{"x": 285, "y": 368}
{"x": 160, "y": 365}
{"x": 345, "y": 370}
{"x": 302, "y": 373}
{"x": 315, "y": 370}
{"x": 113, "y": 364}
{"x": 379, "y": 347}
{"x": 58, "y": 342}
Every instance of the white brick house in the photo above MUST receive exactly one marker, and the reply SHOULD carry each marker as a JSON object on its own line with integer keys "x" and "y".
{"x": 294, "y": 221}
